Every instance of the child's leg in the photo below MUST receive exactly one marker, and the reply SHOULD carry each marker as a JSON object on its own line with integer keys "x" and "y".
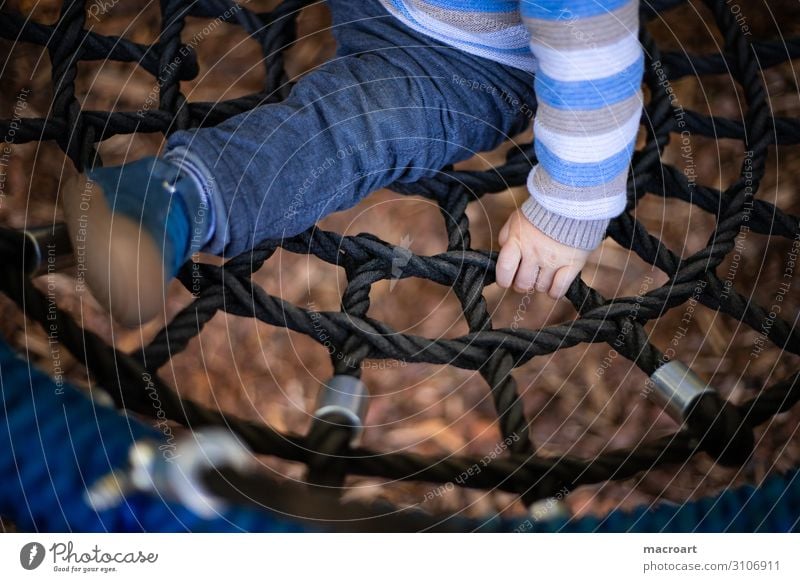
{"x": 392, "y": 106}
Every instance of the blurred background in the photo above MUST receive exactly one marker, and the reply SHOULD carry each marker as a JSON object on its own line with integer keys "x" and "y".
{"x": 273, "y": 375}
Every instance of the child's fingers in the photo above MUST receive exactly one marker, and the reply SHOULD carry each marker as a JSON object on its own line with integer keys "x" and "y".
{"x": 507, "y": 263}
{"x": 545, "y": 279}
{"x": 561, "y": 282}
{"x": 526, "y": 274}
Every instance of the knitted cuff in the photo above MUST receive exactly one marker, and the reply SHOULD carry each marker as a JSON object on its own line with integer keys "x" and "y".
{"x": 575, "y": 232}
{"x": 210, "y": 207}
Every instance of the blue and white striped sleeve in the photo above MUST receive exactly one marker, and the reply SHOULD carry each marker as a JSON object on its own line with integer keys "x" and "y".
{"x": 588, "y": 87}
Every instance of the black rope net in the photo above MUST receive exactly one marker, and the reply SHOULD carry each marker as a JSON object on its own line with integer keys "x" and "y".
{"x": 719, "y": 428}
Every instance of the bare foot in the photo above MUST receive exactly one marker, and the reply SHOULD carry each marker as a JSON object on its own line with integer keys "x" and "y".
{"x": 124, "y": 265}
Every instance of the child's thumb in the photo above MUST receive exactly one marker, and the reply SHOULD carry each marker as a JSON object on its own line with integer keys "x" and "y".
{"x": 502, "y": 238}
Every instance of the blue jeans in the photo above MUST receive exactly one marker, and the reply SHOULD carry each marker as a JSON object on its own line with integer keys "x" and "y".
{"x": 393, "y": 106}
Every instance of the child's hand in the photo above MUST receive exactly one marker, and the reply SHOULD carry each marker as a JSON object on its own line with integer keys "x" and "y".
{"x": 532, "y": 260}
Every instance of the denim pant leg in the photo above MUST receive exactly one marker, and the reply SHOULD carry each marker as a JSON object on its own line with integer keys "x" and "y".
{"x": 392, "y": 106}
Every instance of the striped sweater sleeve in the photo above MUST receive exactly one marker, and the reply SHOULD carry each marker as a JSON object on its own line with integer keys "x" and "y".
{"x": 588, "y": 87}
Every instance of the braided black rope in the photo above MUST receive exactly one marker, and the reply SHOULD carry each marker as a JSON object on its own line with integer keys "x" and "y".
{"x": 718, "y": 428}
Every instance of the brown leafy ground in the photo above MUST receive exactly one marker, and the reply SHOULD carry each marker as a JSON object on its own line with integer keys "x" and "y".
{"x": 272, "y": 375}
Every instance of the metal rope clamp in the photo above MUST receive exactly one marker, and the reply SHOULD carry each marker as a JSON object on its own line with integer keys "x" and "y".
{"x": 677, "y": 388}
{"x": 343, "y": 400}
{"x": 181, "y": 475}
{"x": 178, "y": 475}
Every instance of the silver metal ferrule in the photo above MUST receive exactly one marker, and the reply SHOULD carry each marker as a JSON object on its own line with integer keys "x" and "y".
{"x": 344, "y": 397}
{"x": 48, "y": 249}
{"x": 551, "y": 508}
{"x": 676, "y": 388}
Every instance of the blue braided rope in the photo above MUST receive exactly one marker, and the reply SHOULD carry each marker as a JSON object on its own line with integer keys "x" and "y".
{"x": 772, "y": 507}
{"x": 55, "y": 441}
